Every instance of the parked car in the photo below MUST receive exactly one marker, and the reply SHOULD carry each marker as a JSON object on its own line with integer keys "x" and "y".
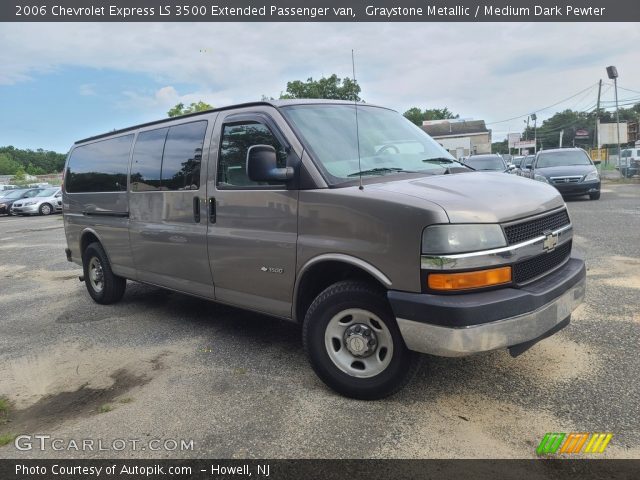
{"x": 13, "y": 195}
{"x": 45, "y": 202}
{"x": 630, "y": 164}
{"x": 570, "y": 170}
{"x": 523, "y": 169}
{"x": 280, "y": 207}
{"x": 8, "y": 187}
{"x": 488, "y": 163}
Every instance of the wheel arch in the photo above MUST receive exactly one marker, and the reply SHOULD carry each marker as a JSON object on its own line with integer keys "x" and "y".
{"x": 324, "y": 270}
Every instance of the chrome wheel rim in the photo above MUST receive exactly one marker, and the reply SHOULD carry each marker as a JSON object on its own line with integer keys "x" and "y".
{"x": 46, "y": 210}
{"x": 358, "y": 343}
{"x": 96, "y": 275}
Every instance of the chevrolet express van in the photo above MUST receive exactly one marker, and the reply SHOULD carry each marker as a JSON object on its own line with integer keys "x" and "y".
{"x": 346, "y": 219}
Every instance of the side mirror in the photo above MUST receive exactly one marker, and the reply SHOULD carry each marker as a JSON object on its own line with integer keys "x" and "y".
{"x": 529, "y": 167}
{"x": 262, "y": 165}
{"x": 597, "y": 162}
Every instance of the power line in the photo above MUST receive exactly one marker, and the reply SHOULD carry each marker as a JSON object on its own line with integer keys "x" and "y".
{"x": 590, "y": 87}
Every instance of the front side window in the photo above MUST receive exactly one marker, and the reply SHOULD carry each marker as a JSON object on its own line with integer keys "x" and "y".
{"x": 100, "y": 166}
{"x": 235, "y": 142}
{"x": 49, "y": 192}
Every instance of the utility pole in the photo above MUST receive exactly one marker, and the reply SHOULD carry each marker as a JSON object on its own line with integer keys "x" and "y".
{"x": 612, "y": 73}
{"x": 596, "y": 143}
{"x": 534, "y": 117}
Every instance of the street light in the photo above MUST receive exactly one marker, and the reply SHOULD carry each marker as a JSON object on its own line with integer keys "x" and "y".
{"x": 612, "y": 73}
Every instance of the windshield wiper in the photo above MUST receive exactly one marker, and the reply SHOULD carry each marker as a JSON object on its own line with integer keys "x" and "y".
{"x": 441, "y": 160}
{"x": 380, "y": 171}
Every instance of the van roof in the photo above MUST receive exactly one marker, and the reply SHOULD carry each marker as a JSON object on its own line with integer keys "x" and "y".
{"x": 272, "y": 103}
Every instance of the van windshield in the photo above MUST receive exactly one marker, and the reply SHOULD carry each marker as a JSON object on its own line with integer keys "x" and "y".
{"x": 389, "y": 144}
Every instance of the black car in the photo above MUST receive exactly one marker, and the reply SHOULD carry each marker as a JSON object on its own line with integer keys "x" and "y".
{"x": 570, "y": 170}
{"x": 488, "y": 163}
{"x": 7, "y": 200}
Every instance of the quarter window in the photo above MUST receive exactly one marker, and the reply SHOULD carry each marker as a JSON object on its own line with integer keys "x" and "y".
{"x": 232, "y": 161}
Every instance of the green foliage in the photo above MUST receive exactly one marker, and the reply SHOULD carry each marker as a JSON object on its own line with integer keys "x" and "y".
{"x": 8, "y": 166}
{"x": 33, "y": 162}
{"x": 180, "y": 109}
{"x": 500, "y": 147}
{"x": 20, "y": 176}
{"x": 417, "y": 116}
{"x": 333, "y": 88}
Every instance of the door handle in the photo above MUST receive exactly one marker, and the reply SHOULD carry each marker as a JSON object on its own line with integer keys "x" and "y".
{"x": 196, "y": 209}
{"x": 212, "y": 210}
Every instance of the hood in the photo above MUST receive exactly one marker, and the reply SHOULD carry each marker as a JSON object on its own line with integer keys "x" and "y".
{"x": 480, "y": 197}
{"x": 565, "y": 170}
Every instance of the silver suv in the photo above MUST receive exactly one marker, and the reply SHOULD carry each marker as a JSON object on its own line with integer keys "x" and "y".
{"x": 345, "y": 218}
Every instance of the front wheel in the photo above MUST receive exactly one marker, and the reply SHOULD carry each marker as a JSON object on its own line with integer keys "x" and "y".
{"x": 102, "y": 284}
{"x": 45, "y": 209}
{"x": 353, "y": 342}
{"x": 594, "y": 196}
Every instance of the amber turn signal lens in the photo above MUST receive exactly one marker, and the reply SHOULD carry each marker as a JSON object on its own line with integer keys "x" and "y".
{"x": 467, "y": 280}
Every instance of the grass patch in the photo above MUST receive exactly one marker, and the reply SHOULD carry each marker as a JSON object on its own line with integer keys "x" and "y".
{"x": 126, "y": 400}
{"x": 105, "y": 408}
{"x": 240, "y": 371}
{"x": 6, "y": 438}
{"x": 5, "y": 406}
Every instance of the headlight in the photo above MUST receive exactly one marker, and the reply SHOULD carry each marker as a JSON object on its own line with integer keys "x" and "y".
{"x": 29, "y": 203}
{"x": 3, "y": 205}
{"x": 541, "y": 178}
{"x": 591, "y": 176}
{"x": 446, "y": 239}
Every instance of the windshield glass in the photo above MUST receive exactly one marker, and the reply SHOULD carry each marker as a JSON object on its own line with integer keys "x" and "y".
{"x": 389, "y": 143}
{"x": 562, "y": 159}
{"x": 485, "y": 162}
{"x": 15, "y": 194}
{"x": 47, "y": 193}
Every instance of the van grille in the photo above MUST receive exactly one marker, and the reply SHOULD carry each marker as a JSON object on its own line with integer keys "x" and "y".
{"x": 538, "y": 266}
{"x": 523, "y": 231}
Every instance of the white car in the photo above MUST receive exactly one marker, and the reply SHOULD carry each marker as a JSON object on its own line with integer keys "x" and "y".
{"x": 46, "y": 202}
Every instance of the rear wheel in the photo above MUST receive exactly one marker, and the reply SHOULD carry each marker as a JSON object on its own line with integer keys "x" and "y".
{"x": 353, "y": 342}
{"x": 594, "y": 196}
{"x": 45, "y": 209}
{"x": 102, "y": 284}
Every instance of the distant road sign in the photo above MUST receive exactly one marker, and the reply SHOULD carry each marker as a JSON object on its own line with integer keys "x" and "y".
{"x": 525, "y": 144}
{"x": 513, "y": 138}
{"x": 581, "y": 134}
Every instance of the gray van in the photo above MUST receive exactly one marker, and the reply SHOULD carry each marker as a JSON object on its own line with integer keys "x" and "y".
{"x": 347, "y": 219}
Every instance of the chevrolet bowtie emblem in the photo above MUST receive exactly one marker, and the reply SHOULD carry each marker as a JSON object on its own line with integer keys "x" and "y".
{"x": 550, "y": 241}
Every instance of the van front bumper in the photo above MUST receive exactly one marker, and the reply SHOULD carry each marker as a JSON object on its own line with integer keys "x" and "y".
{"x": 516, "y": 318}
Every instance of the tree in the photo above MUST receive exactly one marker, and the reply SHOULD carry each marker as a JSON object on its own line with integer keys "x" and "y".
{"x": 20, "y": 176}
{"x": 333, "y": 88}
{"x": 8, "y": 166}
{"x": 500, "y": 147}
{"x": 180, "y": 109}
{"x": 417, "y": 116}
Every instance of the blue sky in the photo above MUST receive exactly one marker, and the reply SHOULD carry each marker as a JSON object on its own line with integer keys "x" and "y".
{"x": 65, "y": 81}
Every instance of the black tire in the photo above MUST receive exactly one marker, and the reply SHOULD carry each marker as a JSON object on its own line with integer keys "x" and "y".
{"x": 329, "y": 305}
{"x": 45, "y": 209}
{"x": 594, "y": 196}
{"x": 112, "y": 287}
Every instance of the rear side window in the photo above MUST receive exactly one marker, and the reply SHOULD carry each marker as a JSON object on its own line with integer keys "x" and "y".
{"x": 147, "y": 160}
{"x": 182, "y": 157}
{"x": 168, "y": 158}
{"x": 99, "y": 167}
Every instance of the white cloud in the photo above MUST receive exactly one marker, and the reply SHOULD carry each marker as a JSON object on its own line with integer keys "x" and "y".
{"x": 490, "y": 71}
{"x": 87, "y": 89}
